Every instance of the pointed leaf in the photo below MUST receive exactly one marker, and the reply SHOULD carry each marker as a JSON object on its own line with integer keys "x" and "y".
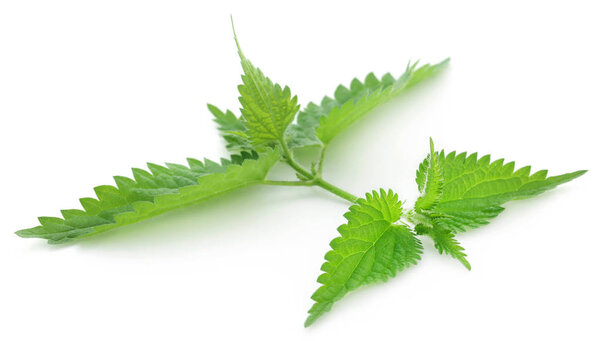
{"x": 429, "y": 180}
{"x": 370, "y": 249}
{"x": 233, "y": 129}
{"x": 473, "y": 190}
{"x": 267, "y": 107}
{"x": 319, "y": 124}
{"x": 445, "y": 242}
{"x": 150, "y": 194}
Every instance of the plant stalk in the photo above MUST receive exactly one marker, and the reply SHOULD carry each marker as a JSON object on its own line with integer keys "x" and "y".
{"x": 335, "y": 190}
{"x": 290, "y": 160}
{"x": 311, "y": 179}
{"x": 321, "y": 158}
{"x": 288, "y": 183}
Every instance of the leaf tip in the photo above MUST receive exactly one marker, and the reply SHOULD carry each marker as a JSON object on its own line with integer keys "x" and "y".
{"x": 310, "y": 320}
{"x": 431, "y": 147}
{"x": 466, "y": 264}
{"x": 23, "y": 233}
{"x": 237, "y": 43}
{"x": 211, "y": 107}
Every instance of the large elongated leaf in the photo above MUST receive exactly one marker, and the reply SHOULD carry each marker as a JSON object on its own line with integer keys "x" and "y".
{"x": 470, "y": 191}
{"x": 370, "y": 248}
{"x": 150, "y": 194}
{"x": 267, "y": 107}
{"x": 319, "y": 124}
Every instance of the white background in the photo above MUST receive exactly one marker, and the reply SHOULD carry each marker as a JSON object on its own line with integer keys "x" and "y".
{"x": 89, "y": 89}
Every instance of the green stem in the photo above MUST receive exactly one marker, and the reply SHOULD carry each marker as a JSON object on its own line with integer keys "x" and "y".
{"x": 290, "y": 160}
{"x": 321, "y": 158}
{"x": 287, "y": 183}
{"x": 312, "y": 179}
{"x": 335, "y": 190}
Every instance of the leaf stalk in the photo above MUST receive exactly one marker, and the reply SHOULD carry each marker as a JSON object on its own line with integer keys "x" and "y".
{"x": 312, "y": 178}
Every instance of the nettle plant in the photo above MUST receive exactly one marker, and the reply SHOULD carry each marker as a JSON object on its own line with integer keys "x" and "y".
{"x": 458, "y": 191}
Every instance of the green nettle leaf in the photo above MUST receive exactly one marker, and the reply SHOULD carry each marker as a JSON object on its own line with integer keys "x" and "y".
{"x": 429, "y": 180}
{"x": 444, "y": 241}
{"x": 150, "y": 194}
{"x": 470, "y": 191}
{"x": 268, "y": 108}
{"x": 232, "y": 128}
{"x": 319, "y": 124}
{"x": 456, "y": 191}
{"x": 371, "y": 248}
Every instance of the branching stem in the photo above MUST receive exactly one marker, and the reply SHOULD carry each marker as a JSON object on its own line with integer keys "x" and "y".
{"x": 312, "y": 178}
{"x": 290, "y": 160}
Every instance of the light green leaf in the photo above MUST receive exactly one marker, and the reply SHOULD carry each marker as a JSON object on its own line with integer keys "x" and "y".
{"x": 473, "y": 190}
{"x": 319, "y": 124}
{"x": 267, "y": 108}
{"x": 232, "y": 128}
{"x": 371, "y": 248}
{"x": 302, "y": 133}
{"x": 429, "y": 180}
{"x": 444, "y": 241}
{"x": 150, "y": 194}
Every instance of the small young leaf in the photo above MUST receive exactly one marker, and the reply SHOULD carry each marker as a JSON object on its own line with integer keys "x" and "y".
{"x": 444, "y": 241}
{"x": 429, "y": 180}
{"x": 473, "y": 190}
{"x": 302, "y": 133}
{"x": 232, "y": 128}
{"x": 150, "y": 194}
{"x": 319, "y": 124}
{"x": 268, "y": 108}
{"x": 371, "y": 248}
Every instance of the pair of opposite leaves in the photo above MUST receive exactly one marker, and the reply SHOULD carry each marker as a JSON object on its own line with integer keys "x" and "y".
{"x": 458, "y": 191}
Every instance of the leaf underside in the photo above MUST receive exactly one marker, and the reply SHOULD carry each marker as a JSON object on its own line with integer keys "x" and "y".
{"x": 371, "y": 248}
{"x": 152, "y": 193}
{"x": 472, "y": 190}
{"x": 317, "y": 125}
